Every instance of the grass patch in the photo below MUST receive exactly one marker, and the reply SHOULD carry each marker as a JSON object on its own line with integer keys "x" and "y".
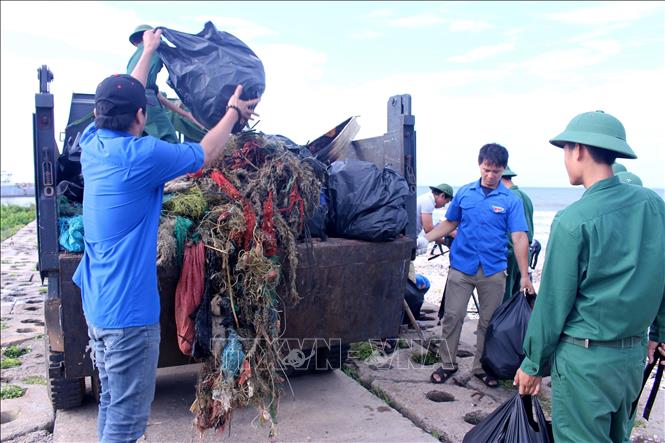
{"x": 7, "y": 363}
{"x": 361, "y": 350}
{"x": 3, "y": 325}
{"x": 13, "y": 218}
{"x": 402, "y": 344}
{"x": 426, "y": 359}
{"x": 508, "y": 384}
{"x": 34, "y": 380}
{"x": 11, "y": 391}
{"x": 351, "y": 372}
{"x": 15, "y": 351}
{"x": 382, "y": 395}
{"x": 43, "y": 290}
{"x": 546, "y": 404}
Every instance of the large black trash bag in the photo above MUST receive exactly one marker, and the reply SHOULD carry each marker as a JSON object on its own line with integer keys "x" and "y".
{"x": 70, "y": 179}
{"x": 503, "y": 352}
{"x": 365, "y": 202}
{"x": 205, "y": 68}
{"x": 513, "y": 422}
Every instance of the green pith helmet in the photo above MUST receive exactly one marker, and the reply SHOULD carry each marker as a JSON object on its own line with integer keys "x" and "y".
{"x": 629, "y": 177}
{"x": 596, "y": 129}
{"x": 618, "y": 167}
{"x": 137, "y": 35}
{"x": 445, "y": 188}
{"x": 508, "y": 173}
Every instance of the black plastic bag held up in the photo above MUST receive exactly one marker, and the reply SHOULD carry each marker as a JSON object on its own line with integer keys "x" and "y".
{"x": 205, "y": 68}
{"x": 365, "y": 202}
{"x": 513, "y": 422}
{"x": 503, "y": 352}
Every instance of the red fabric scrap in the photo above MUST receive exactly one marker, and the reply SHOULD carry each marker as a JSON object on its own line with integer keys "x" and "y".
{"x": 188, "y": 294}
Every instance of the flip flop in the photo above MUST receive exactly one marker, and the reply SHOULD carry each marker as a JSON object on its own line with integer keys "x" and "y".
{"x": 488, "y": 380}
{"x": 443, "y": 374}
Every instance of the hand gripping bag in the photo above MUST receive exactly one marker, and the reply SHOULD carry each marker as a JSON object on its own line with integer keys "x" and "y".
{"x": 205, "y": 68}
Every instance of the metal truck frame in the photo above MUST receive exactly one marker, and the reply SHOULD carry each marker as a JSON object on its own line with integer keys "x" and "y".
{"x": 351, "y": 290}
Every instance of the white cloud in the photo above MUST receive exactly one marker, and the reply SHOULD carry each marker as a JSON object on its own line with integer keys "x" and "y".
{"x": 381, "y": 13}
{"x": 239, "y": 27}
{"x": 416, "y": 21}
{"x": 566, "y": 64}
{"x": 366, "y": 35}
{"x": 482, "y": 52}
{"x": 610, "y": 12}
{"x": 469, "y": 25}
{"x": 77, "y": 25}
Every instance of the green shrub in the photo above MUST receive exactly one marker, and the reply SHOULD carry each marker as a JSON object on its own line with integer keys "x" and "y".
{"x": 7, "y": 363}
{"x": 13, "y": 218}
{"x": 427, "y": 359}
{"x": 11, "y": 391}
{"x": 34, "y": 380}
{"x": 15, "y": 351}
{"x": 361, "y": 350}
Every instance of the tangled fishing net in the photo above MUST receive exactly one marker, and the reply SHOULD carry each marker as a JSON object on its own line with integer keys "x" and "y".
{"x": 249, "y": 210}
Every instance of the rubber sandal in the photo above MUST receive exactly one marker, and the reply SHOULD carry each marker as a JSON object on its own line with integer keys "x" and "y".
{"x": 443, "y": 374}
{"x": 488, "y": 380}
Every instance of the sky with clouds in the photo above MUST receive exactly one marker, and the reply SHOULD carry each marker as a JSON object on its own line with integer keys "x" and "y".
{"x": 513, "y": 73}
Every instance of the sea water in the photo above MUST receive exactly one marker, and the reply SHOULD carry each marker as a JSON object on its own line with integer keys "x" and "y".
{"x": 546, "y": 203}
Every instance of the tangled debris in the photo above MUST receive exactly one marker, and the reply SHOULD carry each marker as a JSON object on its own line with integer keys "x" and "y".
{"x": 249, "y": 210}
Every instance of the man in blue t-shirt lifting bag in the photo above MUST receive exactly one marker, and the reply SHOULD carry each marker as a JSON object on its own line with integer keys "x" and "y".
{"x": 124, "y": 175}
{"x": 483, "y": 212}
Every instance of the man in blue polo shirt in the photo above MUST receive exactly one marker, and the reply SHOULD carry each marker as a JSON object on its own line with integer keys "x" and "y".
{"x": 124, "y": 175}
{"x": 482, "y": 211}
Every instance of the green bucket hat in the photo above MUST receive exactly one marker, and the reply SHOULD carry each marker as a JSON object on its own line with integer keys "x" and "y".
{"x": 137, "y": 34}
{"x": 618, "y": 167}
{"x": 445, "y": 188}
{"x": 596, "y": 129}
{"x": 508, "y": 172}
{"x": 629, "y": 177}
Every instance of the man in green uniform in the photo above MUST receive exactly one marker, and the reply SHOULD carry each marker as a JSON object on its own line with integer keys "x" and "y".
{"x": 159, "y": 123}
{"x": 513, "y": 270}
{"x": 602, "y": 286}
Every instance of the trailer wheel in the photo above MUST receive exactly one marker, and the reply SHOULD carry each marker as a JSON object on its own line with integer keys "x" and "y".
{"x": 328, "y": 359}
{"x": 64, "y": 393}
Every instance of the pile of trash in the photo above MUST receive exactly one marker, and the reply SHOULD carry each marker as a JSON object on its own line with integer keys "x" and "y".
{"x": 233, "y": 231}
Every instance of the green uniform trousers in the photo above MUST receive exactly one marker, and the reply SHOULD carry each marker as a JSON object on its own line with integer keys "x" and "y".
{"x": 513, "y": 277}
{"x": 593, "y": 390}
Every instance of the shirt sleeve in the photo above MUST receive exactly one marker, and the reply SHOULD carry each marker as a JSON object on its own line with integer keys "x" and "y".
{"x": 454, "y": 212}
{"x": 555, "y": 300}
{"x": 171, "y": 160}
{"x": 427, "y": 206}
{"x": 657, "y": 329}
{"x": 516, "y": 218}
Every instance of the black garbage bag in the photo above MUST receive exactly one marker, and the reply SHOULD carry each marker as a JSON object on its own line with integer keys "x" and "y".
{"x": 73, "y": 191}
{"x": 316, "y": 225}
{"x": 503, "y": 352}
{"x": 205, "y": 68}
{"x": 365, "y": 202}
{"x": 70, "y": 179}
{"x": 513, "y": 422}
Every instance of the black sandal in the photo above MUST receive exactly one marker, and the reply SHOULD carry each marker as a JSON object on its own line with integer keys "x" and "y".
{"x": 443, "y": 374}
{"x": 488, "y": 380}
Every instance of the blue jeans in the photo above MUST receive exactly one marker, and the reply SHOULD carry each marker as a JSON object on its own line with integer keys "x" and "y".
{"x": 127, "y": 363}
